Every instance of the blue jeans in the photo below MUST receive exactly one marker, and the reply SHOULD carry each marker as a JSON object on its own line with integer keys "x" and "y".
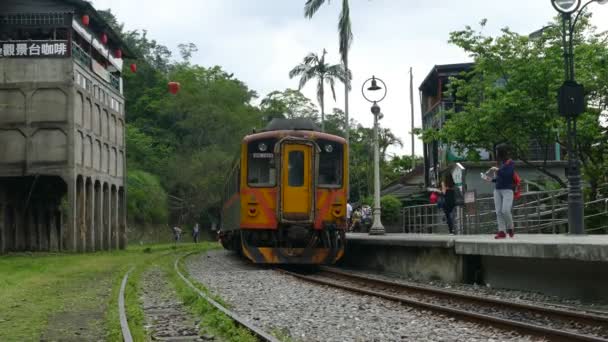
{"x": 449, "y": 219}
{"x": 503, "y": 202}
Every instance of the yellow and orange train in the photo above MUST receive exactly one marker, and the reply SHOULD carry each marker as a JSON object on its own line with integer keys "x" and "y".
{"x": 285, "y": 198}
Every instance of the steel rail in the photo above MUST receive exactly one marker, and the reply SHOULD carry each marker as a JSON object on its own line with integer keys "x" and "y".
{"x": 528, "y": 328}
{"x": 258, "y": 332}
{"x": 563, "y": 312}
{"x": 122, "y": 314}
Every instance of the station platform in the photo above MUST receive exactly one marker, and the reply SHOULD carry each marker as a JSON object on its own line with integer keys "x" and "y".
{"x": 545, "y": 246}
{"x": 562, "y": 265}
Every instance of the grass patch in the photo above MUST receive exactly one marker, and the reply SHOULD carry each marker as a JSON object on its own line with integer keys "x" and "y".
{"x": 44, "y": 294}
{"x": 212, "y": 321}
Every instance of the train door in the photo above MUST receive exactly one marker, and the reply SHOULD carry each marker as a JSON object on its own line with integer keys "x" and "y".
{"x": 297, "y": 178}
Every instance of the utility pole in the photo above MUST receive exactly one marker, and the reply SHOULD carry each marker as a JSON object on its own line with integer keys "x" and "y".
{"x": 412, "y": 111}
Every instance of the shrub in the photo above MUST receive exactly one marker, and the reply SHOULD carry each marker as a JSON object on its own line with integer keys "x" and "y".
{"x": 391, "y": 208}
{"x": 146, "y": 198}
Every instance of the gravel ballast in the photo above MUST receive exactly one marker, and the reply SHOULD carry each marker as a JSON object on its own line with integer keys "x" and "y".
{"x": 308, "y": 312}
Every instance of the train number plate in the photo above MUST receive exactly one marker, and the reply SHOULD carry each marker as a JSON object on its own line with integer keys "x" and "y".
{"x": 263, "y": 155}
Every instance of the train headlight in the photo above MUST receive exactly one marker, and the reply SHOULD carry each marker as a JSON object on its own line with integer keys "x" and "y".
{"x": 262, "y": 147}
{"x": 329, "y": 148}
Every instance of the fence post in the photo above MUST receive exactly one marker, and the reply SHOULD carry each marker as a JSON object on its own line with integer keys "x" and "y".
{"x": 538, "y": 224}
{"x": 424, "y": 217}
{"x": 553, "y": 213}
{"x": 477, "y": 217}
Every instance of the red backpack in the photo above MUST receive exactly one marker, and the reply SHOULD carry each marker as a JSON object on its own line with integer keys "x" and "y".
{"x": 516, "y": 183}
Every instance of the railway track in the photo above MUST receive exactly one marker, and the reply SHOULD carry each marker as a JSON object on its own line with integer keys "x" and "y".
{"x": 552, "y": 323}
{"x": 240, "y": 321}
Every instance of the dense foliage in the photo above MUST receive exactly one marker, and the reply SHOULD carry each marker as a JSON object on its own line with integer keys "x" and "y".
{"x": 391, "y": 207}
{"x": 510, "y": 95}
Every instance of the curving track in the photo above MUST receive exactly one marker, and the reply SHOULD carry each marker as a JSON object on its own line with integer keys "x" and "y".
{"x": 256, "y": 331}
{"x": 553, "y": 323}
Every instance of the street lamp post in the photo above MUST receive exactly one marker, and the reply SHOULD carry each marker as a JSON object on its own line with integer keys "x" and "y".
{"x": 571, "y": 103}
{"x": 375, "y": 94}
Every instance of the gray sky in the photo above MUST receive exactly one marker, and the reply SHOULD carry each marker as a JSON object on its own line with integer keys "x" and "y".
{"x": 261, "y": 40}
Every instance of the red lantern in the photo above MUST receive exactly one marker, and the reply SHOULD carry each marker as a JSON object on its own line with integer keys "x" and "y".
{"x": 118, "y": 53}
{"x": 86, "y": 20}
{"x": 433, "y": 199}
{"x": 104, "y": 38}
{"x": 133, "y": 68}
{"x": 174, "y": 87}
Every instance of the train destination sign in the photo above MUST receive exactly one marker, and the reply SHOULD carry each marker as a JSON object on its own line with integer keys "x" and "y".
{"x": 34, "y": 49}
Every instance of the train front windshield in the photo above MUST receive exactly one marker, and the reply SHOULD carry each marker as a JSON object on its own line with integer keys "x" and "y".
{"x": 330, "y": 163}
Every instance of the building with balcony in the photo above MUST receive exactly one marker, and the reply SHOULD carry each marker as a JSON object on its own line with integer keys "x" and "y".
{"x": 62, "y": 128}
{"x": 440, "y": 157}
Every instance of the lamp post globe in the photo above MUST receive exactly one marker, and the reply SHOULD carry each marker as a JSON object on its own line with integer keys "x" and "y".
{"x": 374, "y": 91}
{"x": 566, "y": 6}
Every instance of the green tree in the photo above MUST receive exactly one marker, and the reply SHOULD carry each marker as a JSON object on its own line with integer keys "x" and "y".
{"x": 313, "y": 67}
{"x": 346, "y": 38}
{"x": 510, "y": 94}
{"x": 147, "y": 201}
{"x": 290, "y": 104}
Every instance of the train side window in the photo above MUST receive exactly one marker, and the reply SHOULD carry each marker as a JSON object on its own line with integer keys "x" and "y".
{"x": 295, "y": 176}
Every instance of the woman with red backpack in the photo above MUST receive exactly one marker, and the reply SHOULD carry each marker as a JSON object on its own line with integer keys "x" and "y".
{"x": 504, "y": 192}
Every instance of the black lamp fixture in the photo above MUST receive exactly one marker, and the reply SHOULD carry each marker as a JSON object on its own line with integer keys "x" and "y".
{"x": 374, "y": 86}
{"x": 571, "y": 103}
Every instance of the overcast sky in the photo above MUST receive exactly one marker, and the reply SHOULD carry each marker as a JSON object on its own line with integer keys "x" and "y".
{"x": 261, "y": 40}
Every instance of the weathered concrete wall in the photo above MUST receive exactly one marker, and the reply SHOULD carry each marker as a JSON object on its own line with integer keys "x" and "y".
{"x": 424, "y": 263}
{"x": 562, "y": 278}
{"x": 59, "y": 119}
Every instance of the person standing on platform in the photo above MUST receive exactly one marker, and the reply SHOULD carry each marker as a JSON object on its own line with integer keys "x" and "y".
{"x": 448, "y": 200}
{"x": 503, "y": 191}
{"x": 349, "y": 213}
{"x": 195, "y": 232}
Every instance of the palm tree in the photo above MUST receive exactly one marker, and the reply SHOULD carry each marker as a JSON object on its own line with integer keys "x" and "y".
{"x": 346, "y": 37}
{"x": 314, "y": 67}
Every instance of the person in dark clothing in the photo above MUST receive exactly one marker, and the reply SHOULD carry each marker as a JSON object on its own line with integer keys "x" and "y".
{"x": 448, "y": 200}
{"x": 503, "y": 192}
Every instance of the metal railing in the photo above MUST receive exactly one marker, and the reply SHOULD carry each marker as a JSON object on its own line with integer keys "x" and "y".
{"x": 81, "y": 56}
{"x": 534, "y": 212}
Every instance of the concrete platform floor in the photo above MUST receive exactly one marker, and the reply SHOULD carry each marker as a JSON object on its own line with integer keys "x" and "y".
{"x": 544, "y": 246}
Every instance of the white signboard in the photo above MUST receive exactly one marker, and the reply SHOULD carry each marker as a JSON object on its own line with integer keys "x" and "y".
{"x": 34, "y": 49}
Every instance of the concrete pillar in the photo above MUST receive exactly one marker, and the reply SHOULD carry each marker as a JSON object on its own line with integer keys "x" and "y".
{"x": 114, "y": 218}
{"x": 53, "y": 237}
{"x": 59, "y": 228}
{"x": 9, "y": 228}
{"x": 106, "y": 217}
{"x": 90, "y": 217}
{"x": 20, "y": 242}
{"x": 41, "y": 228}
{"x": 122, "y": 218}
{"x": 81, "y": 212}
{"x": 29, "y": 228}
{"x": 70, "y": 224}
{"x": 98, "y": 217}
{"x": 3, "y": 228}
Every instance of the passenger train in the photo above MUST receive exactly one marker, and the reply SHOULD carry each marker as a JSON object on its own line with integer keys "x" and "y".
{"x": 285, "y": 197}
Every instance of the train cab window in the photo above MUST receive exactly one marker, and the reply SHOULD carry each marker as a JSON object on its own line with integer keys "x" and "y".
{"x": 295, "y": 176}
{"x": 261, "y": 169}
{"x": 330, "y": 164}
